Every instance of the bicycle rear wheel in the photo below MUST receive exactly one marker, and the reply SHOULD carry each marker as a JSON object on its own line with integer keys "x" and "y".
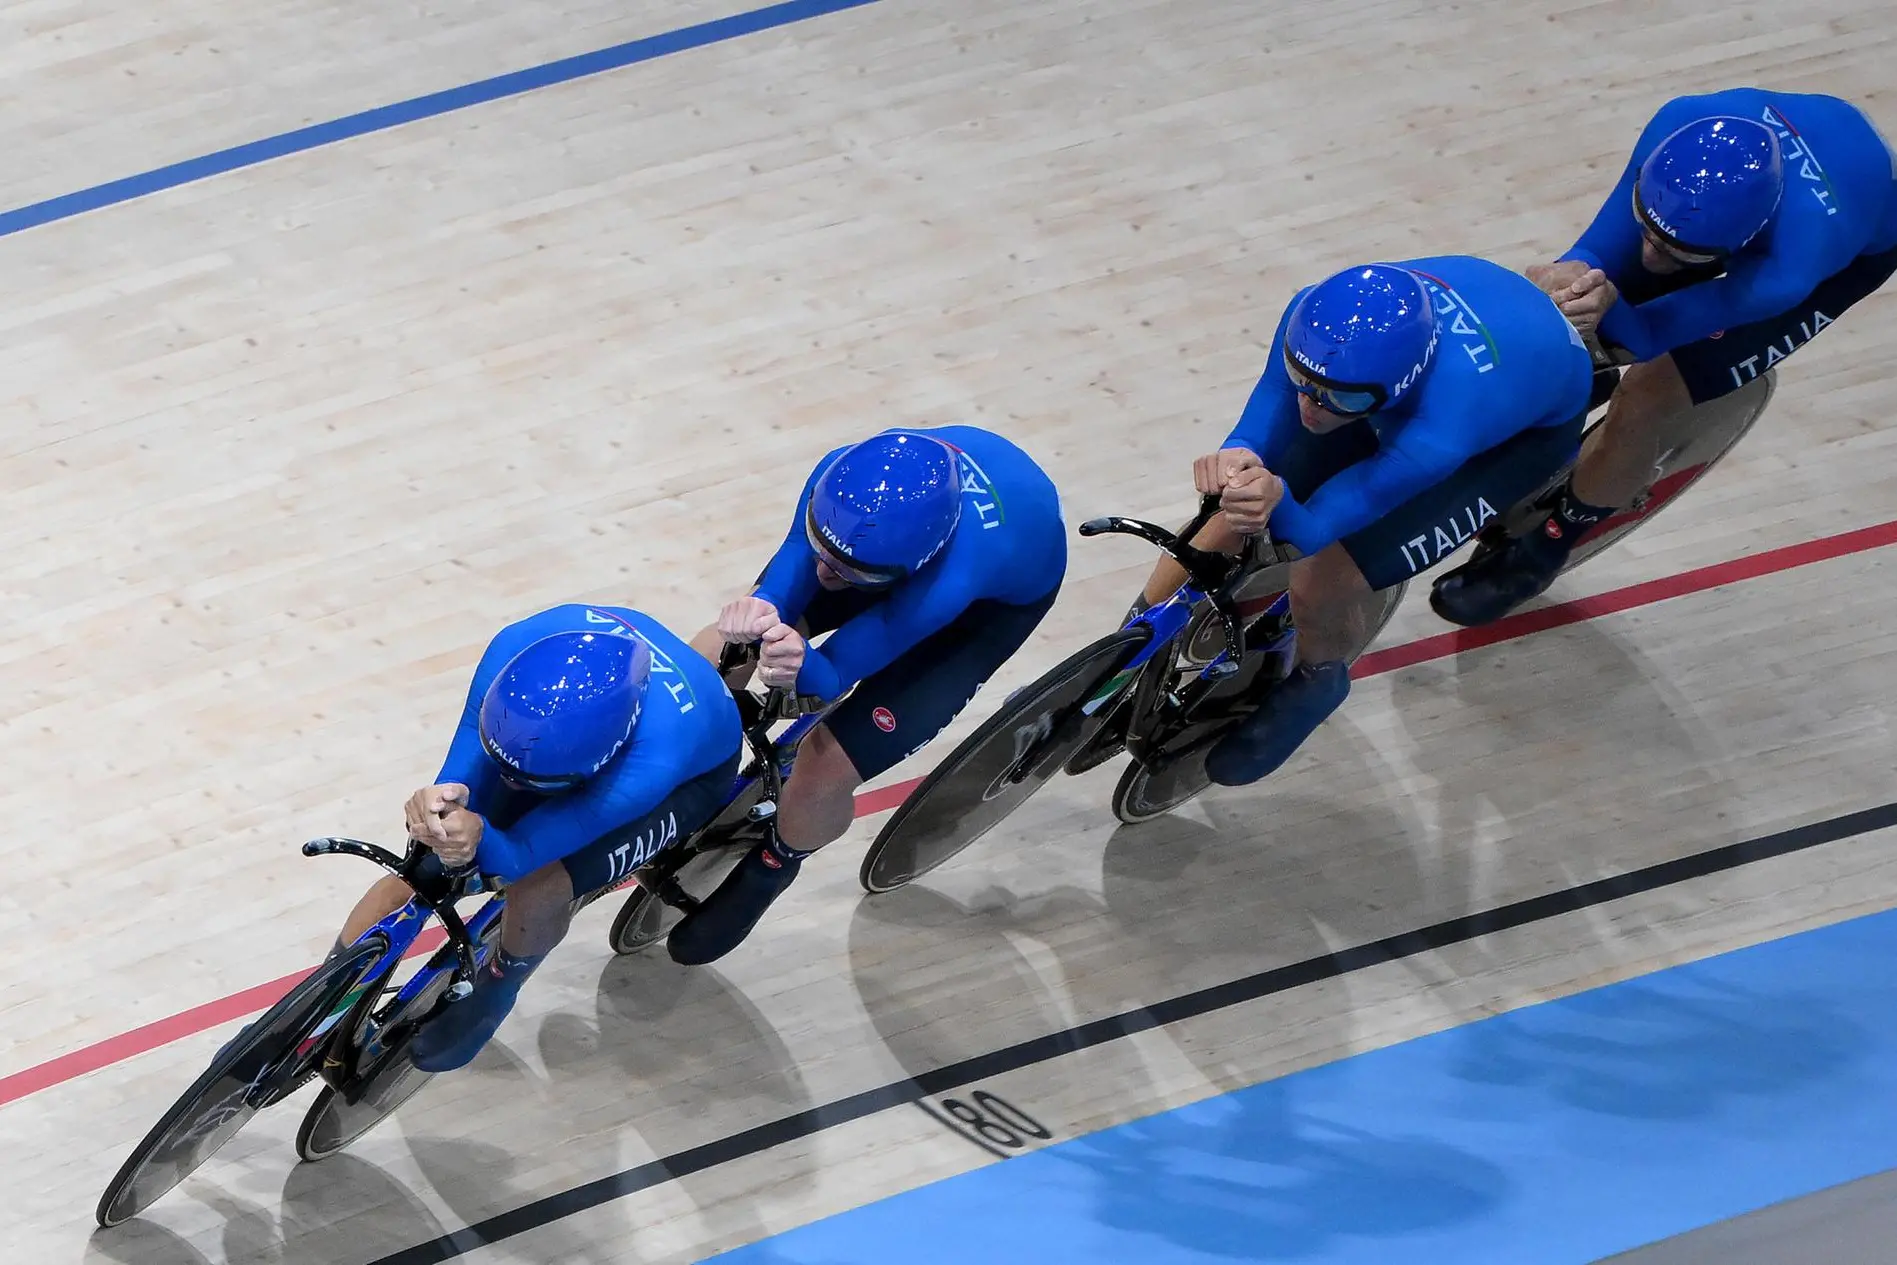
{"x": 999, "y": 766}
{"x": 338, "y": 1117}
{"x": 1731, "y": 417}
{"x": 277, "y": 1050}
{"x": 1709, "y": 432}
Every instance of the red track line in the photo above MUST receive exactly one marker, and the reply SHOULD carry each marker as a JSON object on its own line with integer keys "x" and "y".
{"x": 172, "y": 1028}
{"x": 1698, "y": 580}
{"x": 186, "y": 1023}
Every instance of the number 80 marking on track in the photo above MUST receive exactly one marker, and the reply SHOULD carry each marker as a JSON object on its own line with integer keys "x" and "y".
{"x": 990, "y": 1121}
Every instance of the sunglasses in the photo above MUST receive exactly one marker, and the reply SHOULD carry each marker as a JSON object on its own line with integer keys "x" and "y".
{"x": 1674, "y": 249}
{"x": 1343, "y": 399}
{"x": 858, "y": 575}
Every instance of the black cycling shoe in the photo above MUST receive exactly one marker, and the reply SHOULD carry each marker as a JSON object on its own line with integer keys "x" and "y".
{"x": 1496, "y": 581}
{"x": 723, "y": 919}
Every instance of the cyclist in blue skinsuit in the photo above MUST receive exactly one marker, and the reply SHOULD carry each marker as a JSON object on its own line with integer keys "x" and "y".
{"x": 929, "y": 556}
{"x": 1745, "y": 222}
{"x": 592, "y": 738}
{"x": 1403, "y": 406}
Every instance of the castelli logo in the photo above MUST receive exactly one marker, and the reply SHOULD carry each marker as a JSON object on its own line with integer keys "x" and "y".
{"x": 885, "y": 719}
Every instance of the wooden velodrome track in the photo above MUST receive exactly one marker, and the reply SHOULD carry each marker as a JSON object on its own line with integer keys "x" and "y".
{"x": 286, "y": 444}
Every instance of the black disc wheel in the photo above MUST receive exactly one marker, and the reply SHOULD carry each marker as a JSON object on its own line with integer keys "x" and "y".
{"x": 1109, "y": 740}
{"x": 381, "y": 1077}
{"x": 280, "y": 1049}
{"x": 996, "y": 769}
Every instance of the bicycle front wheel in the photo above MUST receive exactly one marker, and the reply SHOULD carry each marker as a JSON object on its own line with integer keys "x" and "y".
{"x": 277, "y": 1050}
{"x": 1174, "y": 771}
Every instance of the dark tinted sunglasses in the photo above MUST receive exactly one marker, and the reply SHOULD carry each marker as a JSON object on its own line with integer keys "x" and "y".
{"x": 1343, "y": 399}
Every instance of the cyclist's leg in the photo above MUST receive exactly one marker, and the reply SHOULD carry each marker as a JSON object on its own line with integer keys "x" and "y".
{"x": 1333, "y": 592}
{"x": 384, "y": 897}
{"x": 888, "y": 717}
{"x": 1655, "y": 408}
{"x": 1335, "y": 607}
{"x": 540, "y": 908}
{"x": 1619, "y": 456}
{"x": 1306, "y": 463}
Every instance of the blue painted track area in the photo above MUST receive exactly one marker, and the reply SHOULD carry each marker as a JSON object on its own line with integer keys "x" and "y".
{"x": 1555, "y": 1135}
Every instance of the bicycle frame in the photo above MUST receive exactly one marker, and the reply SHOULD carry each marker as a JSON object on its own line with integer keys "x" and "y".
{"x": 403, "y": 928}
{"x": 1210, "y": 577}
{"x": 397, "y": 933}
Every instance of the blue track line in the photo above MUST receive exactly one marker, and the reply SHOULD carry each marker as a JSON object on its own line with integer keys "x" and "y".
{"x": 414, "y": 109}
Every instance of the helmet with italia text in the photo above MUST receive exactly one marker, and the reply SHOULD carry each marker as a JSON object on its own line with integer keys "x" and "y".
{"x": 1710, "y": 187}
{"x": 561, "y": 709}
{"x": 1361, "y": 340}
{"x": 884, "y": 508}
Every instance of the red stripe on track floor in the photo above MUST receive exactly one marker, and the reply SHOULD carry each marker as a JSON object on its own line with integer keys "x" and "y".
{"x": 1522, "y": 623}
{"x": 251, "y": 1000}
{"x": 185, "y": 1023}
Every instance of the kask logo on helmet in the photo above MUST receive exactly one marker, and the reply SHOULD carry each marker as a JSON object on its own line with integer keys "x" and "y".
{"x": 1408, "y": 380}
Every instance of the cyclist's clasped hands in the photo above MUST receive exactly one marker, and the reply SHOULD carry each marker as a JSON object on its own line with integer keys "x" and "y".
{"x": 1247, "y": 491}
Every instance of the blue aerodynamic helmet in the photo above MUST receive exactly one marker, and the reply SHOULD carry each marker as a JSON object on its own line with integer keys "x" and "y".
{"x": 1361, "y": 340}
{"x": 884, "y": 508}
{"x": 564, "y": 707}
{"x": 1710, "y": 187}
